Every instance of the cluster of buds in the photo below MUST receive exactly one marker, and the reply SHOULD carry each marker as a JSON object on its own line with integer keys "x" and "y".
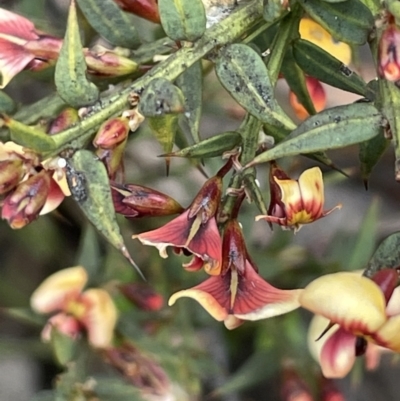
{"x": 28, "y": 187}
{"x": 23, "y": 47}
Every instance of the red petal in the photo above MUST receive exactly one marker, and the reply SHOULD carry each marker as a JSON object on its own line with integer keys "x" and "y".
{"x": 16, "y": 25}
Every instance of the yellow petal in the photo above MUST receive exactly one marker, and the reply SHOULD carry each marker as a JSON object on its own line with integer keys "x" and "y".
{"x": 313, "y": 32}
{"x": 291, "y": 195}
{"x": 207, "y": 301}
{"x": 388, "y": 335}
{"x": 58, "y": 288}
{"x": 100, "y": 318}
{"x": 354, "y": 302}
{"x": 312, "y": 191}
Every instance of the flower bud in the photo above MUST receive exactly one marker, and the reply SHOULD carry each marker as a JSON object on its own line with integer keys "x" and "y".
{"x": 111, "y": 133}
{"x": 65, "y": 119}
{"x": 24, "y": 204}
{"x": 11, "y": 173}
{"x": 293, "y": 387}
{"x": 388, "y": 63}
{"x": 64, "y": 324}
{"x": 147, "y": 9}
{"x": 135, "y": 201}
{"x": 104, "y": 62}
{"x": 143, "y": 296}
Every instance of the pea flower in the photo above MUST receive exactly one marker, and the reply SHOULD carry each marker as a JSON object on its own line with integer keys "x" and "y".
{"x": 31, "y": 187}
{"x": 195, "y": 231}
{"x": 295, "y": 202}
{"x": 388, "y": 63}
{"x": 358, "y": 313}
{"x": 92, "y": 309}
{"x": 238, "y": 293}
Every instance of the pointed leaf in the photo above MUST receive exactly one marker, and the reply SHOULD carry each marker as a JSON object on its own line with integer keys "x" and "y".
{"x": 244, "y": 75}
{"x": 369, "y": 154}
{"x": 23, "y": 315}
{"x": 29, "y": 137}
{"x": 160, "y": 97}
{"x": 191, "y": 85}
{"x": 331, "y": 129}
{"x": 210, "y": 147}
{"x": 70, "y": 75}
{"x": 288, "y": 29}
{"x": 164, "y": 129}
{"x": 318, "y": 63}
{"x": 349, "y": 21}
{"x": 296, "y": 80}
{"x": 387, "y": 255}
{"x": 89, "y": 185}
{"x": 64, "y": 347}
{"x": 111, "y": 22}
{"x": 183, "y": 19}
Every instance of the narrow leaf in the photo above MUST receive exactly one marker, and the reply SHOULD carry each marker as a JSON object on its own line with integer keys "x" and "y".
{"x": 70, "y": 75}
{"x": 243, "y": 74}
{"x": 387, "y": 255}
{"x": 183, "y": 19}
{"x": 210, "y": 147}
{"x": 349, "y": 21}
{"x": 7, "y": 105}
{"x": 331, "y": 129}
{"x": 191, "y": 85}
{"x": 111, "y": 22}
{"x": 164, "y": 129}
{"x": 89, "y": 185}
{"x": 318, "y": 63}
{"x": 29, "y": 137}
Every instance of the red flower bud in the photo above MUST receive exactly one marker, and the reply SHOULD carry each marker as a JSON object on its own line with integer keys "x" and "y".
{"x": 388, "y": 62}
{"x": 143, "y": 296}
{"x": 11, "y": 173}
{"x": 24, "y": 204}
{"x": 66, "y": 118}
{"x": 147, "y": 9}
{"x": 135, "y": 201}
{"x": 111, "y": 133}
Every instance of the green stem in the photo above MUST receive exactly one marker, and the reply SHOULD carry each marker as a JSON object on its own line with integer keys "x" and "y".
{"x": 234, "y": 26}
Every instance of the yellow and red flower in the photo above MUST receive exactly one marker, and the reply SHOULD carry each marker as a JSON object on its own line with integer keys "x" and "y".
{"x": 295, "y": 202}
{"x": 93, "y": 309}
{"x": 357, "y": 312}
{"x": 238, "y": 293}
{"x": 195, "y": 231}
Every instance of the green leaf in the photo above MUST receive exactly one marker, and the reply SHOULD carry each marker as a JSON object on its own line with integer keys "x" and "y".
{"x": 64, "y": 347}
{"x": 29, "y": 137}
{"x": 365, "y": 242}
{"x": 90, "y": 187}
{"x": 191, "y": 85}
{"x": 70, "y": 75}
{"x": 296, "y": 80}
{"x": 244, "y": 75}
{"x": 349, "y": 21}
{"x": 112, "y": 389}
{"x": 318, "y": 63}
{"x": 331, "y": 129}
{"x": 369, "y": 154}
{"x": 160, "y": 97}
{"x": 24, "y": 315}
{"x": 183, "y": 19}
{"x": 387, "y": 255}
{"x": 88, "y": 254}
{"x": 288, "y": 29}
{"x": 7, "y": 105}
{"x": 273, "y": 9}
{"x": 164, "y": 128}
{"x": 111, "y": 22}
{"x": 390, "y": 100}
{"x": 210, "y": 147}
